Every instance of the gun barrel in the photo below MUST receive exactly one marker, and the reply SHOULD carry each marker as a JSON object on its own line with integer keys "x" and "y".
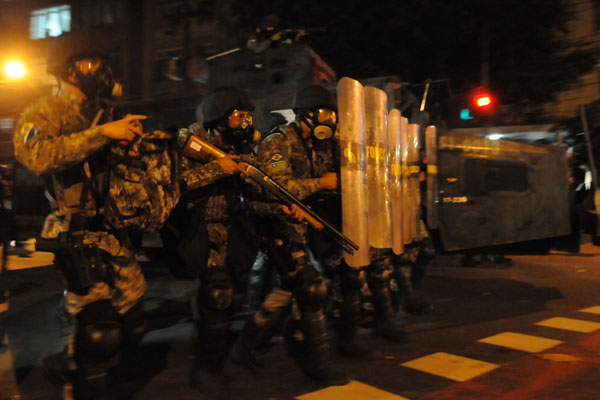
{"x": 283, "y": 194}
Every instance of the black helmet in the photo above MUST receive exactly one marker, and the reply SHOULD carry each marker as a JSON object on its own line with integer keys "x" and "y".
{"x": 271, "y": 121}
{"x": 61, "y": 61}
{"x": 312, "y": 97}
{"x": 220, "y": 102}
{"x": 269, "y": 23}
{"x": 69, "y": 46}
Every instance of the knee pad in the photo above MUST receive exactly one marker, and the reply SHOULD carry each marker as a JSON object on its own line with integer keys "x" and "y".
{"x": 98, "y": 340}
{"x": 134, "y": 324}
{"x": 311, "y": 295}
{"x": 300, "y": 259}
{"x": 378, "y": 277}
{"x": 426, "y": 252}
{"x": 215, "y": 291}
{"x": 352, "y": 279}
{"x": 305, "y": 272}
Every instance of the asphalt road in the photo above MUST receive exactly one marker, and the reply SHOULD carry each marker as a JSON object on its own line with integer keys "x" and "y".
{"x": 531, "y": 331}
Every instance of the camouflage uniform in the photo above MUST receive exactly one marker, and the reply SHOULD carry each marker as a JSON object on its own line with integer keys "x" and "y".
{"x": 54, "y": 138}
{"x": 58, "y": 139}
{"x": 285, "y": 157}
{"x": 222, "y": 201}
{"x": 297, "y": 165}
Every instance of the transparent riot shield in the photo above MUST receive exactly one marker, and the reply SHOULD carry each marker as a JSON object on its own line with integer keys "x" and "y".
{"x": 414, "y": 169}
{"x": 395, "y": 173}
{"x": 376, "y": 151}
{"x": 406, "y": 204}
{"x": 353, "y": 169}
{"x": 432, "y": 176}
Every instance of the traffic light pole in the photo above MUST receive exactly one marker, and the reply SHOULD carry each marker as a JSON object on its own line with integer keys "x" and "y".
{"x": 485, "y": 54}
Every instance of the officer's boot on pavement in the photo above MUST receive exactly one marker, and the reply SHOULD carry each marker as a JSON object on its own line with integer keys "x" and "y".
{"x": 386, "y": 324}
{"x": 57, "y": 369}
{"x": 414, "y": 303}
{"x": 254, "y": 338}
{"x": 207, "y": 374}
{"x": 316, "y": 360}
{"x": 346, "y": 328}
{"x": 91, "y": 382}
{"x": 244, "y": 349}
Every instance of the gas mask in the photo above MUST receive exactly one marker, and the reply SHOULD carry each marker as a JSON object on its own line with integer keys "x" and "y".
{"x": 238, "y": 129}
{"x": 95, "y": 79}
{"x": 322, "y": 123}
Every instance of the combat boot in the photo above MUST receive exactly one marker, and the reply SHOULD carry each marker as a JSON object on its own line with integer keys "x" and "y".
{"x": 386, "y": 324}
{"x": 56, "y": 369}
{"x": 348, "y": 345}
{"x": 417, "y": 305}
{"x": 210, "y": 383}
{"x": 346, "y": 328}
{"x": 315, "y": 356}
{"x": 207, "y": 374}
{"x": 244, "y": 351}
{"x": 390, "y": 330}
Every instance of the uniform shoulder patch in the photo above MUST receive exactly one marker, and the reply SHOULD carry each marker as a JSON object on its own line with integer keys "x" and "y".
{"x": 28, "y": 131}
{"x": 277, "y": 162}
{"x": 275, "y": 157}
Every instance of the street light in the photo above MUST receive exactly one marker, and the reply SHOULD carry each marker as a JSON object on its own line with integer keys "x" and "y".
{"x": 14, "y": 70}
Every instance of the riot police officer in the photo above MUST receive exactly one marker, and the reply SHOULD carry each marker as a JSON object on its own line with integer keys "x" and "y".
{"x": 64, "y": 138}
{"x": 220, "y": 200}
{"x": 299, "y": 156}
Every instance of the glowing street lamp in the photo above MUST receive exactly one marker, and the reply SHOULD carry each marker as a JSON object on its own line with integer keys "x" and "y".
{"x": 14, "y": 70}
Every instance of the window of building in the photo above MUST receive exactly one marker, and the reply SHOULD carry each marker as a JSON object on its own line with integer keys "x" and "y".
{"x": 52, "y": 21}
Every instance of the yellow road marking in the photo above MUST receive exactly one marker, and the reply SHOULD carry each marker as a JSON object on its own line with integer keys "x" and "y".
{"x": 519, "y": 341}
{"x": 570, "y": 324}
{"x": 591, "y": 310}
{"x": 450, "y": 366}
{"x": 352, "y": 391}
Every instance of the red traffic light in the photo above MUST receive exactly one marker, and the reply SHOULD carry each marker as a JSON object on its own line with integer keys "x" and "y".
{"x": 483, "y": 101}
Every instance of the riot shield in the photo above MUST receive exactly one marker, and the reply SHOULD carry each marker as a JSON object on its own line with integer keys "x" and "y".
{"x": 353, "y": 177}
{"x": 379, "y": 206}
{"x": 406, "y": 207}
{"x": 413, "y": 181}
{"x": 395, "y": 173}
{"x": 432, "y": 177}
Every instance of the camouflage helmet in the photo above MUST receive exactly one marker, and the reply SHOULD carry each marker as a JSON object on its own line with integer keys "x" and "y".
{"x": 68, "y": 47}
{"x": 220, "y": 102}
{"x": 313, "y": 96}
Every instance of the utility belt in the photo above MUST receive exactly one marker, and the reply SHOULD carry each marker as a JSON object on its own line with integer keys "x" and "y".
{"x": 82, "y": 265}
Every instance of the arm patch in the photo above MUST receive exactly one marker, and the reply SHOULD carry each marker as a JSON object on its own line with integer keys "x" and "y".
{"x": 28, "y": 131}
{"x": 277, "y": 162}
